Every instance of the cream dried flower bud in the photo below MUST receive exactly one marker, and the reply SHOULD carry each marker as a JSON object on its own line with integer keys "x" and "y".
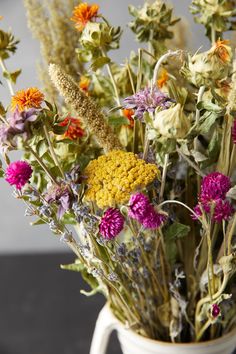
{"x": 172, "y": 122}
{"x": 207, "y": 67}
{"x": 96, "y": 35}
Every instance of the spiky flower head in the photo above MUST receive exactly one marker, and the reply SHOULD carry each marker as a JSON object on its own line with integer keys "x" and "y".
{"x": 113, "y": 177}
{"x": 84, "y": 13}
{"x": 18, "y": 174}
{"x": 147, "y": 100}
{"x": 111, "y": 224}
{"x": 152, "y": 21}
{"x": 209, "y": 67}
{"x": 143, "y": 211}
{"x": 74, "y": 130}
{"x": 29, "y": 98}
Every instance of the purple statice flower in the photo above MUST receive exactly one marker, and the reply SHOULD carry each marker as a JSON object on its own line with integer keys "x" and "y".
{"x": 60, "y": 195}
{"x": 214, "y": 186}
{"x": 20, "y": 121}
{"x": 147, "y": 100}
{"x": 18, "y": 174}
{"x": 215, "y": 310}
{"x": 143, "y": 211}
{"x": 111, "y": 223}
{"x": 234, "y": 132}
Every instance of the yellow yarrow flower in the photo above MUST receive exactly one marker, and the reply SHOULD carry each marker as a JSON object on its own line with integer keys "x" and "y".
{"x": 113, "y": 177}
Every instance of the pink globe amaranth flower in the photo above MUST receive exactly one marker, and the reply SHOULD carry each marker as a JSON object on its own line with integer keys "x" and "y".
{"x": 18, "y": 173}
{"x": 223, "y": 209}
{"x": 142, "y": 210}
{"x": 234, "y": 132}
{"x": 214, "y": 186}
{"x": 111, "y": 224}
{"x": 138, "y": 205}
{"x": 153, "y": 220}
{"x": 215, "y": 310}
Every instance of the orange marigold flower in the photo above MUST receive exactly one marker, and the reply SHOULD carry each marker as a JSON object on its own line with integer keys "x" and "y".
{"x": 29, "y": 98}
{"x": 83, "y": 13}
{"x": 84, "y": 83}
{"x": 74, "y": 130}
{"x": 163, "y": 78}
{"x": 222, "y": 50}
{"x": 128, "y": 113}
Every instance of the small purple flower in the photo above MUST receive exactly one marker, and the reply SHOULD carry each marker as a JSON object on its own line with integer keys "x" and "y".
{"x": 234, "y": 132}
{"x": 18, "y": 173}
{"x": 147, "y": 100}
{"x": 215, "y": 310}
{"x": 111, "y": 224}
{"x": 61, "y": 196}
{"x": 142, "y": 210}
{"x": 214, "y": 186}
{"x": 6, "y": 138}
{"x": 20, "y": 121}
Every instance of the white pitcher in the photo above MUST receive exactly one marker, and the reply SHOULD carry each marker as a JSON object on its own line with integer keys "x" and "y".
{"x": 132, "y": 343}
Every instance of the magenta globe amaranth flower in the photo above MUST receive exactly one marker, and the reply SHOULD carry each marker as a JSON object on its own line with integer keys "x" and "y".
{"x": 215, "y": 310}
{"x": 143, "y": 211}
{"x": 212, "y": 199}
{"x": 214, "y": 186}
{"x": 111, "y": 224}
{"x": 234, "y": 132}
{"x": 18, "y": 174}
{"x": 138, "y": 204}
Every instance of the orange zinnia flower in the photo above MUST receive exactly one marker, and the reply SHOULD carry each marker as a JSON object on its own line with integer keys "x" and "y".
{"x": 222, "y": 50}
{"x": 29, "y": 98}
{"x": 74, "y": 130}
{"x": 162, "y": 79}
{"x": 84, "y": 83}
{"x": 83, "y": 13}
{"x": 128, "y": 113}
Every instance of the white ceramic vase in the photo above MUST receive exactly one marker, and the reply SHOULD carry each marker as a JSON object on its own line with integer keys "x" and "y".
{"x": 132, "y": 343}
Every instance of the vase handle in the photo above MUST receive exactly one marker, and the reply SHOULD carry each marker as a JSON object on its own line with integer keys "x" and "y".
{"x": 105, "y": 324}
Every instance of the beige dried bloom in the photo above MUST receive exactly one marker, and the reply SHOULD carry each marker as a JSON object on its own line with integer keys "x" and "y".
{"x": 85, "y": 107}
{"x": 49, "y": 22}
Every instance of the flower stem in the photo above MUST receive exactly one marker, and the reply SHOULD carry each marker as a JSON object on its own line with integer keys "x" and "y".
{"x": 163, "y": 179}
{"x": 191, "y": 163}
{"x": 159, "y": 63}
{"x": 4, "y": 69}
{"x": 51, "y": 149}
{"x": 42, "y": 164}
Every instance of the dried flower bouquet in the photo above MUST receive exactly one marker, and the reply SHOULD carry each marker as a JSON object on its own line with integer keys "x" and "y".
{"x": 133, "y": 165}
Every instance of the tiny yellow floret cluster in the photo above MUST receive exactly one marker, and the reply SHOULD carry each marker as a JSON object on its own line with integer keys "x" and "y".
{"x": 113, "y": 177}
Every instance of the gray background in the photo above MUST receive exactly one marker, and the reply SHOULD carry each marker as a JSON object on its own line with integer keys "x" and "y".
{"x": 15, "y": 233}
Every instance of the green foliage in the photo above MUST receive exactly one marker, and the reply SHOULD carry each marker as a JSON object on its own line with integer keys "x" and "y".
{"x": 152, "y": 21}
{"x": 8, "y": 44}
{"x": 218, "y": 15}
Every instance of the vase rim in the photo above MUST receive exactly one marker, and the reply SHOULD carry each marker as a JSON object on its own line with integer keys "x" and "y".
{"x": 162, "y": 343}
